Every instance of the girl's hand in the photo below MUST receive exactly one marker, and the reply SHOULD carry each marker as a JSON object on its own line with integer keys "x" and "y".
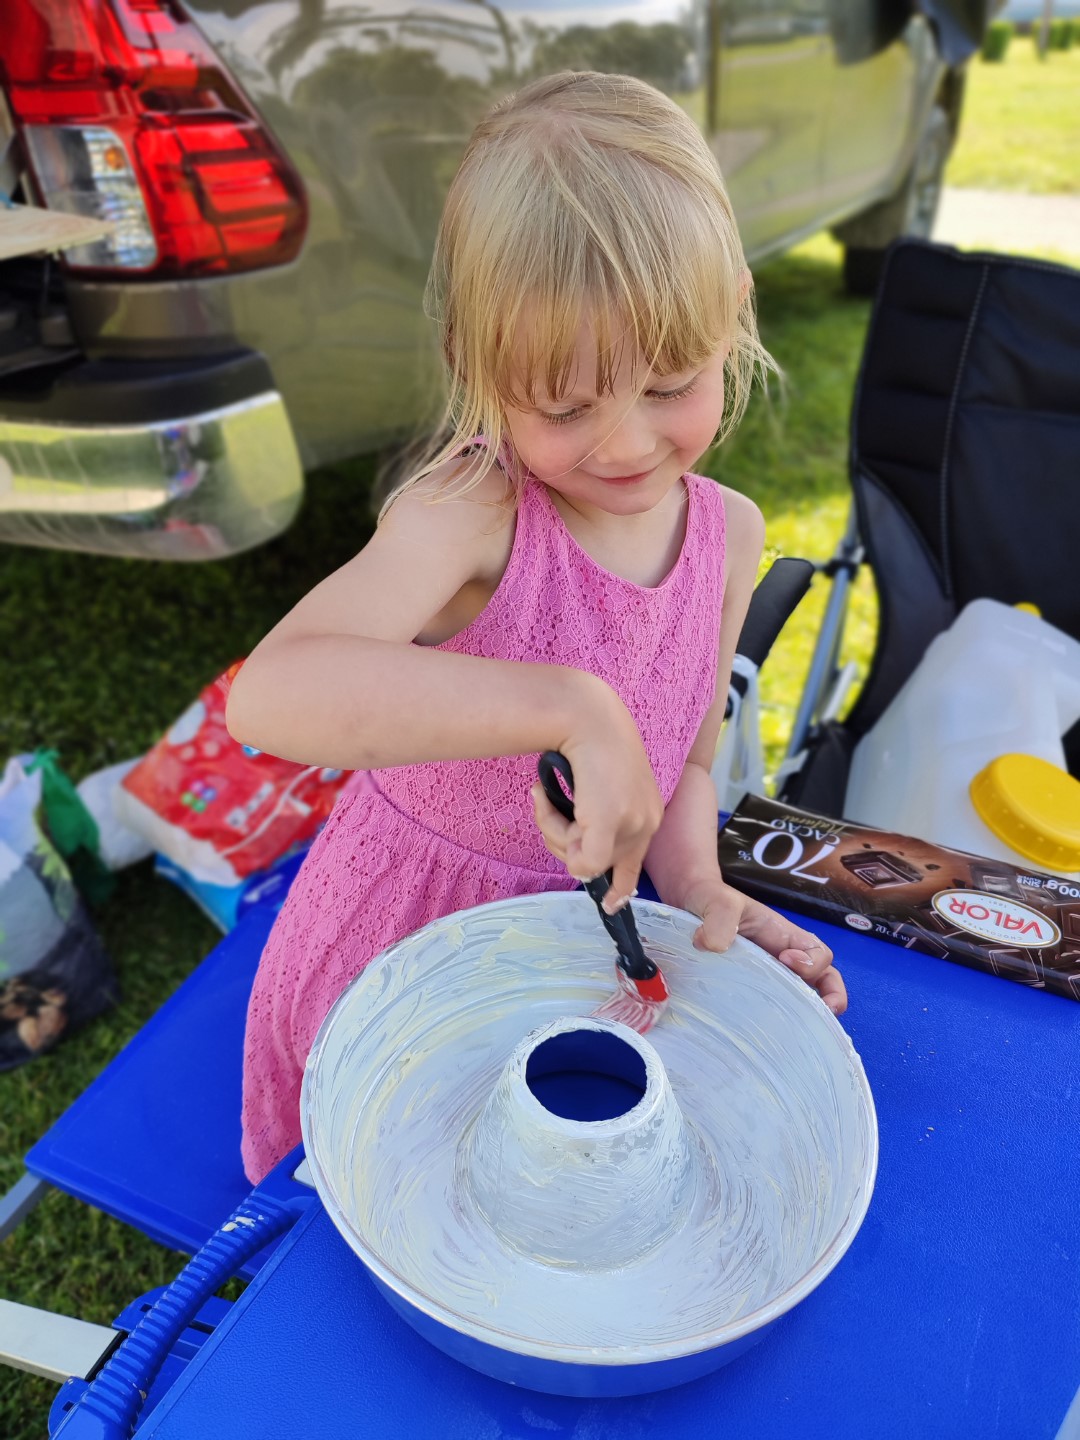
{"x": 617, "y": 805}
{"x": 726, "y": 913}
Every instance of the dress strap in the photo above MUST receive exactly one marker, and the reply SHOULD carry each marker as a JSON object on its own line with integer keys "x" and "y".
{"x": 707, "y": 542}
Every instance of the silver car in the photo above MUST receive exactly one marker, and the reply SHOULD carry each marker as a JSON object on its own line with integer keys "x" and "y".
{"x": 273, "y": 172}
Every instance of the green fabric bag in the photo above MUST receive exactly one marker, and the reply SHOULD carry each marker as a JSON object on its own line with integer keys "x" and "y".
{"x": 72, "y": 829}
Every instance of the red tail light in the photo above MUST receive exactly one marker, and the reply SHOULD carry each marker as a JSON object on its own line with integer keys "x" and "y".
{"x": 128, "y": 115}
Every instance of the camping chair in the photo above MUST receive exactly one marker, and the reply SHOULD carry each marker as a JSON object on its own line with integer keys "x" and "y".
{"x": 964, "y": 463}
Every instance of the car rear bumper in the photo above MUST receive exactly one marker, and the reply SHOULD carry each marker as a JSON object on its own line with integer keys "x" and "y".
{"x": 189, "y": 462}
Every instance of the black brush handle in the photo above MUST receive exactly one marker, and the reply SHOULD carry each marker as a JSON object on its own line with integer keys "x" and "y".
{"x": 621, "y": 926}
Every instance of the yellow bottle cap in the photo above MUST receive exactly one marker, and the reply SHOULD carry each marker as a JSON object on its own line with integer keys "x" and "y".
{"x": 1028, "y": 608}
{"x": 1033, "y": 806}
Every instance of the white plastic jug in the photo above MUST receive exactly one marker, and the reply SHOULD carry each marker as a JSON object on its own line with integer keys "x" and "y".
{"x": 999, "y": 680}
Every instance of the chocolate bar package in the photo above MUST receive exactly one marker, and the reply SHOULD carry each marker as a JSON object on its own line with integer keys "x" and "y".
{"x": 1020, "y": 924}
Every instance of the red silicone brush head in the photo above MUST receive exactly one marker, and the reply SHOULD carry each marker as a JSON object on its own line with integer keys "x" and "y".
{"x": 638, "y": 1004}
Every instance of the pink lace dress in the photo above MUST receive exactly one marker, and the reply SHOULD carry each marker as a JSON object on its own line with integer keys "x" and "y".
{"x": 406, "y": 845}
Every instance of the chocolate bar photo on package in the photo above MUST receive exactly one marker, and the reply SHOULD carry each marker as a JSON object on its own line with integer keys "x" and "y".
{"x": 995, "y": 879}
{"x": 1069, "y": 920}
{"x": 878, "y": 868}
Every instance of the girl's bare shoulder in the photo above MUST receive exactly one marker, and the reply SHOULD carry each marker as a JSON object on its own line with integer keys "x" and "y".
{"x": 426, "y": 551}
{"x": 451, "y": 507}
{"x": 744, "y": 523}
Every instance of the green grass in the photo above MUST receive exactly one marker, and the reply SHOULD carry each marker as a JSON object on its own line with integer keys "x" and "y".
{"x": 1021, "y": 123}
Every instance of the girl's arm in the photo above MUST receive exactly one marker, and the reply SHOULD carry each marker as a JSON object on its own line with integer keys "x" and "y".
{"x": 681, "y": 860}
{"x": 339, "y": 681}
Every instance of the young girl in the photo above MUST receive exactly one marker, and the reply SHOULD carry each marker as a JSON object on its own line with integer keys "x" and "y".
{"x": 564, "y": 582}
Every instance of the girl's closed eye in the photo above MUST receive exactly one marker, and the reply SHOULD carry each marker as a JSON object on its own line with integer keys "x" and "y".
{"x": 678, "y": 393}
{"x": 563, "y": 417}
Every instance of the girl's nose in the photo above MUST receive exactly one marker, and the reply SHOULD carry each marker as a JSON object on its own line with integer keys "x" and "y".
{"x": 625, "y": 449}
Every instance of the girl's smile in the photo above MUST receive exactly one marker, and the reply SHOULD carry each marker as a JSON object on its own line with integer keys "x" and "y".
{"x": 624, "y": 479}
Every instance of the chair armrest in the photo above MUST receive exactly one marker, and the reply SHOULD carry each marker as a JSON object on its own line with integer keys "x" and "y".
{"x": 772, "y": 605}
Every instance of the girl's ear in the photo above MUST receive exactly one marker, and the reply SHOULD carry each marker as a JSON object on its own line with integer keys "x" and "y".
{"x": 745, "y": 284}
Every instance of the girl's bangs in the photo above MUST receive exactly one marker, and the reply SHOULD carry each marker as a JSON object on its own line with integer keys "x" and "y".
{"x": 664, "y": 330}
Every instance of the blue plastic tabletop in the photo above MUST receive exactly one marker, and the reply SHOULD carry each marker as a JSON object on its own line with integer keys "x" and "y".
{"x": 956, "y": 1312}
{"x": 155, "y": 1139}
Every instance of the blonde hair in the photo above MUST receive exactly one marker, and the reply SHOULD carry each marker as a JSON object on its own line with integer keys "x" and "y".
{"x": 583, "y": 195}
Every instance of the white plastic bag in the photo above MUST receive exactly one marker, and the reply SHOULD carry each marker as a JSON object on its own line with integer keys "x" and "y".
{"x": 738, "y": 767}
{"x": 118, "y": 844}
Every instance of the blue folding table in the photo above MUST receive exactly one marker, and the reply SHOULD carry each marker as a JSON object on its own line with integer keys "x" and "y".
{"x": 954, "y": 1316}
{"x": 155, "y": 1139}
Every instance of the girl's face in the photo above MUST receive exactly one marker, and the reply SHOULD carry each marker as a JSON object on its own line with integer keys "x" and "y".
{"x": 619, "y": 453}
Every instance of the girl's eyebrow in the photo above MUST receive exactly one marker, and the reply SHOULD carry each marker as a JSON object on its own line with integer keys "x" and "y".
{"x": 568, "y": 402}
{"x": 544, "y": 399}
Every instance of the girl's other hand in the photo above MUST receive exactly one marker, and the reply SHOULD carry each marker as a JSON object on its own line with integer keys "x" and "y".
{"x": 617, "y": 805}
{"x": 726, "y": 913}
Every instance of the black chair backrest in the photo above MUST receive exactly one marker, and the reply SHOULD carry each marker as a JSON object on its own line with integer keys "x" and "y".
{"x": 965, "y": 447}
